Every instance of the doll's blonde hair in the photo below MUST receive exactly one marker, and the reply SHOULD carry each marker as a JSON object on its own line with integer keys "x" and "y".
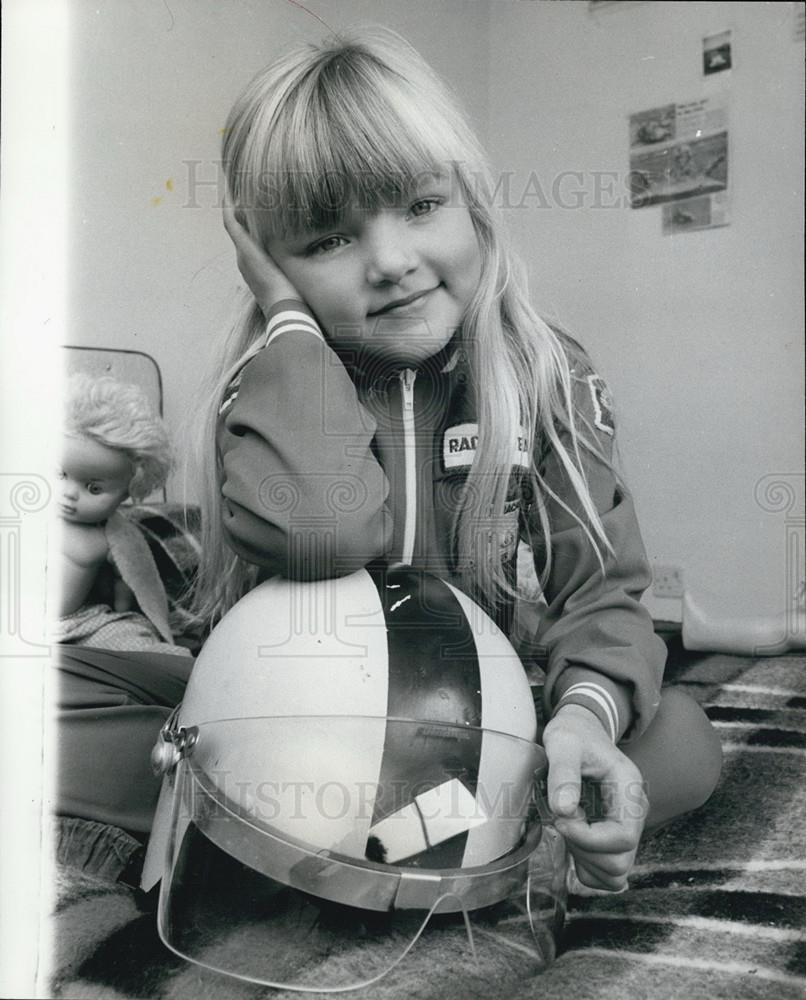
{"x": 120, "y": 416}
{"x": 358, "y": 120}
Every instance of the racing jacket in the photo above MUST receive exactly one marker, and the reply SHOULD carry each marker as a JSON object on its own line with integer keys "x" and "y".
{"x": 323, "y": 471}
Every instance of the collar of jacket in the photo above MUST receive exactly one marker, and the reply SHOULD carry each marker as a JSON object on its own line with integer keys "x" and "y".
{"x": 375, "y": 377}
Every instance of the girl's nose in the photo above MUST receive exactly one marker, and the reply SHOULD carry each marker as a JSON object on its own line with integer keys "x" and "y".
{"x": 69, "y": 489}
{"x": 390, "y": 251}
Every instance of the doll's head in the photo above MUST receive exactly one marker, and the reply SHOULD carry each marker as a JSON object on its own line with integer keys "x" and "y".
{"x": 115, "y": 447}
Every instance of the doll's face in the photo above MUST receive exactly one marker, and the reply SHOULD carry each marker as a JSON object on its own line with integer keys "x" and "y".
{"x": 93, "y": 480}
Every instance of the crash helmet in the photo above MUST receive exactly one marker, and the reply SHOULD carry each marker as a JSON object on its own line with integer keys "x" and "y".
{"x": 353, "y": 756}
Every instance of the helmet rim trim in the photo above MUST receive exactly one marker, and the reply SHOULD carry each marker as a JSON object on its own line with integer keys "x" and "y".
{"x": 386, "y": 887}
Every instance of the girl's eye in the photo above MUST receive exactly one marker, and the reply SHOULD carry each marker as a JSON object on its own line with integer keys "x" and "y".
{"x": 61, "y": 475}
{"x": 426, "y": 206}
{"x": 327, "y": 244}
{"x": 94, "y": 489}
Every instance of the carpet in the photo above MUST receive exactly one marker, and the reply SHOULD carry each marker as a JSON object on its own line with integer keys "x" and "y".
{"x": 716, "y": 907}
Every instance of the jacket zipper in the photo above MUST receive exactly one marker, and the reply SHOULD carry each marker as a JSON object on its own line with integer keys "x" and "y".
{"x": 407, "y": 377}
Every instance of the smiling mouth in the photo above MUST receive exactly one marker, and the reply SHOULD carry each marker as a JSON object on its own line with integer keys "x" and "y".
{"x": 400, "y": 304}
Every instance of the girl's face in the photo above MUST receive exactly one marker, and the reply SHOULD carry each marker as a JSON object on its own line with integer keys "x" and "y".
{"x": 94, "y": 480}
{"x": 394, "y": 283}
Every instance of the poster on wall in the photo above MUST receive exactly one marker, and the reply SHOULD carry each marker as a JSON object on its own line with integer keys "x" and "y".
{"x": 716, "y": 53}
{"x": 679, "y": 155}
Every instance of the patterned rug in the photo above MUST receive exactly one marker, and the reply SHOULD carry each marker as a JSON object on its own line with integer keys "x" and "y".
{"x": 716, "y": 909}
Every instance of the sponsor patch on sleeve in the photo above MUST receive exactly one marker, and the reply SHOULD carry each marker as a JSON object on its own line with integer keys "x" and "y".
{"x": 602, "y": 404}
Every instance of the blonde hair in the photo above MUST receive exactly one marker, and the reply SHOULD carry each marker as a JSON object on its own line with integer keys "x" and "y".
{"x": 120, "y": 416}
{"x": 356, "y": 120}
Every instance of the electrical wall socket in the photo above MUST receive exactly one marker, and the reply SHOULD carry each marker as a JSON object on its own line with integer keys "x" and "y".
{"x": 667, "y": 581}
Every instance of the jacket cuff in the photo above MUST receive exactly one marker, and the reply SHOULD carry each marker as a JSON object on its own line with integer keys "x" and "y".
{"x": 610, "y": 702}
{"x": 288, "y": 315}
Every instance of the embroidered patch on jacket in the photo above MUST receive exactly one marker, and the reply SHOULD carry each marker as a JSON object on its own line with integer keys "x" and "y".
{"x": 602, "y": 404}
{"x": 459, "y": 447}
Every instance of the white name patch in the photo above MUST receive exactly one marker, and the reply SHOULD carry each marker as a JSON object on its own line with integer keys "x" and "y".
{"x": 459, "y": 447}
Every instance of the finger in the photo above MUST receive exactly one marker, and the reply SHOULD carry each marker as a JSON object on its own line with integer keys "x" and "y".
{"x": 564, "y": 783}
{"x": 606, "y": 837}
{"x": 606, "y": 865}
{"x": 235, "y": 226}
{"x": 239, "y": 235}
{"x": 254, "y": 263}
{"x": 564, "y": 793}
{"x": 594, "y": 879}
{"x": 231, "y": 223}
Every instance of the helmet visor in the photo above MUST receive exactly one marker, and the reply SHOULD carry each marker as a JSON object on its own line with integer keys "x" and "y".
{"x": 319, "y": 878}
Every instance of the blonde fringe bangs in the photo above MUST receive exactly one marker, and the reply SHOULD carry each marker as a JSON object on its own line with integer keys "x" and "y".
{"x": 360, "y": 122}
{"x": 350, "y": 132}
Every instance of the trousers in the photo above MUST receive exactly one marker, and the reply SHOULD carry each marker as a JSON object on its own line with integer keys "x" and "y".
{"x": 111, "y": 706}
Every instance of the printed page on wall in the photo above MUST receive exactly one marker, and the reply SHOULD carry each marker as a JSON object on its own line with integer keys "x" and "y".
{"x": 679, "y": 160}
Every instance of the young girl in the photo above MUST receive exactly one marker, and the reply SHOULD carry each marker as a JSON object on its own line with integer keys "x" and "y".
{"x": 114, "y": 447}
{"x": 391, "y": 393}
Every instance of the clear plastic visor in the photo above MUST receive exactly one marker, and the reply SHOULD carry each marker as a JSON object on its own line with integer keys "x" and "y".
{"x": 312, "y": 854}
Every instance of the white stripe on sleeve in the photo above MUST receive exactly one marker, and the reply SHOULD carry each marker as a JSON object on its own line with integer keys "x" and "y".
{"x": 603, "y": 699}
{"x": 289, "y": 320}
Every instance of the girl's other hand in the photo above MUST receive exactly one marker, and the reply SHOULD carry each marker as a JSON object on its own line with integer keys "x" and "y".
{"x": 265, "y": 279}
{"x": 604, "y": 850}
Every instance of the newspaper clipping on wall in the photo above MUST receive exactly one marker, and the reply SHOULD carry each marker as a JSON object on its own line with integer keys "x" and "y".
{"x": 679, "y": 160}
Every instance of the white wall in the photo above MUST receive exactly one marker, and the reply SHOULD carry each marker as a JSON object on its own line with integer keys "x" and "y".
{"x": 151, "y": 269}
{"x": 701, "y": 334}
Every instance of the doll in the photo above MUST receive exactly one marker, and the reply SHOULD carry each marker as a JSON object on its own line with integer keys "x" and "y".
{"x": 114, "y": 448}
